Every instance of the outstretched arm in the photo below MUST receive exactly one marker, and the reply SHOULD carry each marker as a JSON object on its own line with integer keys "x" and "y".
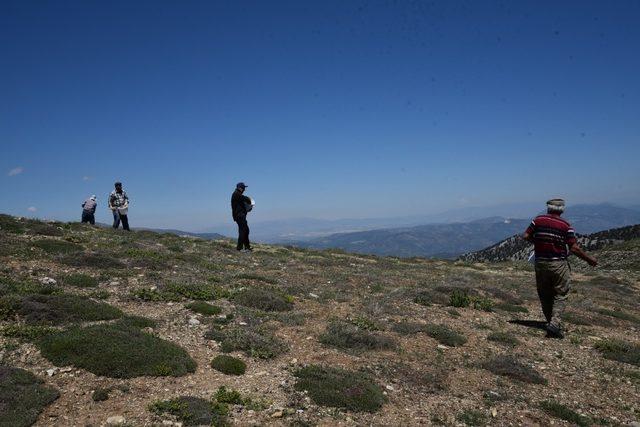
{"x": 577, "y": 251}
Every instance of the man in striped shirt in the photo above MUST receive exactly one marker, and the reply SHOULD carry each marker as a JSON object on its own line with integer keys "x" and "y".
{"x": 553, "y": 239}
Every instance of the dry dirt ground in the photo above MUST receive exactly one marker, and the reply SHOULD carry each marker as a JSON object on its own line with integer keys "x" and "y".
{"x": 425, "y": 382}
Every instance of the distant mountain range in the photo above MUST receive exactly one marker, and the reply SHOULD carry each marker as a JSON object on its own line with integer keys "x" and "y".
{"x": 515, "y": 248}
{"x": 450, "y": 240}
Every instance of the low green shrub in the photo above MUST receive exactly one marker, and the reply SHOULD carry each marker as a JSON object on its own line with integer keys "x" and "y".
{"x": 345, "y": 335}
{"x": 472, "y": 417}
{"x": 228, "y": 365}
{"x": 137, "y": 322}
{"x": 204, "y": 308}
{"x": 503, "y": 338}
{"x": 80, "y": 280}
{"x": 116, "y": 351}
{"x": 57, "y": 247}
{"x": 192, "y": 411}
{"x": 408, "y": 328}
{"x": 256, "y": 277}
{"x": 180, "y": 291}
{"x": 22, "y": 397}
{"x": 254, "y": 342}
{"x": 42, "y": 229}
{"x": 99, "y": 294}
{"x": 25, "y": 332}
{"x": 61, "y": 309}
{"x": 444, "y": 335}
{"x": 619, "y": 314}
{"x": 101, "y": 394}
{"x": 459, "y": 298}
{"x": 92, "y": 260}
{"x": 263, "y": 299}
{"x": 9, "y": 224}
{"x": 619, "y": 350}
{"x": 561, "y": 411}
{"x": 340, "y": 388}
{"x": 509, "y": 366}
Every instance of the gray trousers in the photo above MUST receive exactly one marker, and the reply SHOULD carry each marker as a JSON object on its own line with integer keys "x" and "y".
{"x": 552, "y": 280}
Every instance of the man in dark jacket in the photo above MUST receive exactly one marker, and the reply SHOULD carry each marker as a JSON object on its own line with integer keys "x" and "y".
{"x": 239, "y": 211}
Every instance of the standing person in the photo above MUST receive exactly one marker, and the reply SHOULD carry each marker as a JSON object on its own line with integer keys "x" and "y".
{"x": 89, "y": 210}
{"x": 239, "y": 210}
{"x": 119, "y": 204}
{"x": 553, "y": 239}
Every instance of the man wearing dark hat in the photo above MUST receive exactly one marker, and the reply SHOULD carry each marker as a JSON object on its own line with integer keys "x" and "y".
{"x": 553, "y": 238}
{"x": 239, "y": 210}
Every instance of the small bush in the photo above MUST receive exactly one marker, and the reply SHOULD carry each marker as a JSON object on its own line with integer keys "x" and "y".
{"x": 459, "y": 298}
{"x": 228, "y": 365}
{"x": 192, "y": 411}
{"x": 230, "y": 396}
{"x": 409, "y": 328}
{"x": 66, "y": 308}
{"x": 42, "y": 229}
{"x": 290, "y": 318}
{"x": 263, "y": 299}
{"x": 22, "y": 397}
{"x": 25, "y": 332}
{"x": 340, "y": 388}
{"x": 576, "y": 318}
{"x": 80, "y": 281}
{"x": 620, "y": 351}
{"x": 346, "y": 335}
{"x": 57, "y": 247}
{"x": 9, "y": 224}
{"x": 92, "y": 260}
{"x": 472, "y": 417}
{"x": 137, "y": 322}
{"x": 503, "y": 338}
{"x": 365, "y": 323}
{"x": 101, "y": 394}
{"x": 446, "y": 336}
{"x": 116, "y": 351}
{"x": 180, "y": 291}
{"x": 204, "y": 308}
{"x": 254, "y": 342}
{"x": 510, "y": 367}
{"x": 559, "y": 410}
{"x": 99, "y": 294}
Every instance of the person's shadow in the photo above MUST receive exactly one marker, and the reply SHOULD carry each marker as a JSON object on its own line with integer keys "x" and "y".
{"x": 536, "y": 324}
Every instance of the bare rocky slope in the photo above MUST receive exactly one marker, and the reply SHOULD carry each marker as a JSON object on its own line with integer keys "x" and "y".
{"x": 101, "y": 327}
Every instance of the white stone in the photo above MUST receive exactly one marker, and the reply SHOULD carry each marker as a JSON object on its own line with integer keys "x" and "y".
{"x": 442, "y": 347}
{"x": 312, "y": 295}
{"x": 116, "y": 420}
{"x": 48, "y": 281}
{"x": 390, "y": 388}
{"x": 193, "y": 321}
{"x": 51, "y": 372}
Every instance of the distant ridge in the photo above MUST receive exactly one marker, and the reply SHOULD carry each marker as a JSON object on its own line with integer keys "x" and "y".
{"x": 515, "y": 248}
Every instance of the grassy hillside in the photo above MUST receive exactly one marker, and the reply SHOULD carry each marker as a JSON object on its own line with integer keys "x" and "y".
{"x": 145, "y": 329}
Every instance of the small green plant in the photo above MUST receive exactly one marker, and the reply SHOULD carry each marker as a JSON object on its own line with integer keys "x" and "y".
{"x": 26, "y": 332}
{"x": 561, "y": 411}
{"x": 459, "y": 298}
{"x": 256, "y": 277}
{"x": 340, "y": 388}
{"x": 256, "y": 343}
{"x": 115, "y": 351}
{"x": 472, "y": 417}
{"x": 263, "y": 299}
{"x": 509, "y": 366}
{"x": 619, "y": 350}
{"x": 192, "y": 411}
{"x": 619, "y": 314}
{"x": 92, "y": 260}
{"x": 57, "y": 247}
{"x": 446, "y": 336}
{"x": 137, "y": 322}
{"x": 346, "y": 335}
{"x": 503, "y": 338}
{"x": 409, "y": 328}
{"x": 481, "y": 303}
{"x": 365, "y": 323}
{"x": 80, "y": 280}
{"x": 99, "y": 294}
{"x": 180, "y": 291}
{"x": 228, "y": 365}
{"x": 23, "y": 397}
{"x": 61, "y": 309}
{"x": 224, "y": 395}
{"x": 100, "y": 394}
{"x": 204, "y": 308}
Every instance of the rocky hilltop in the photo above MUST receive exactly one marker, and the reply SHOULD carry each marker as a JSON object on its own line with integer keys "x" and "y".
{"x": 101, "y": 327}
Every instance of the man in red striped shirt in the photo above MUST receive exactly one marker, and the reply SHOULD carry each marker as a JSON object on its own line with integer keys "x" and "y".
{"x": 553, "y": 239}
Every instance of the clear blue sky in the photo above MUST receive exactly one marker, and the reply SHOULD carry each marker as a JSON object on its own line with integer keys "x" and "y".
{"x": 329, "y": 109}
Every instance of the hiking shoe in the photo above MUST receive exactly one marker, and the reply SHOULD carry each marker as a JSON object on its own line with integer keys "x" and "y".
{"x": 554, "y": 332}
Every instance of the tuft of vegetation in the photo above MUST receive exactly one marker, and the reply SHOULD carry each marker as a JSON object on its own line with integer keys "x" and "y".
{"x": 472, "y": 417}
{"x": 340, "y": 388}
{"x": 459, "y": 298}
{"x": 256, "y": 277}
{"x": 116, "y": 351}
{"x": 137, "y": 322}
{"x": 92, "y": 260}
{"x": 619, "y": 314}
{"x": 228, "y": 365}
{"x": 101, "y": 394}
{"x": 99, "y": 294}
{"x": 57, "y": 247}
{"x": 192, "y": 411}
{"x": 365, "y": 323}
{"x": 204, "y": 308}
{"x": 346, "y": 335}
{"x": 9, "y": 224}
{"x": 256, "y": 343}
{"x": 80, "y": 280}
{"x": 509, "y": 366}
{"x": 444, "y": 335}
{"x": 61, "y": 309}
{"x": 43, "y": 229}
{"x": 26, "y": 332}
{"x": 619, "y": 350}
{"x": 22, "y": 397}
{"x": 263, "y": 299}
{"x": 561, "y": 411}
{"x": 503, "y": 338}
{"x": 180, "y": 291}
{"x": 409, "y": 328}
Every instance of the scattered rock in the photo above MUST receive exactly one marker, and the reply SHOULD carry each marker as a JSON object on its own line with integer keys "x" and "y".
{"x": 193, "y": 321}
{"x": 51, "y": 372}
{"x": 48, "y": 281}
{"x": 278, "y": 414}
{"x": 312, "y": 295}
{"x": 116, "y": 420}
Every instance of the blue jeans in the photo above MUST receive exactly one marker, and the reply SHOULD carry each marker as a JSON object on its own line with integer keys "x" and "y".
{"x": 117, "y": 217}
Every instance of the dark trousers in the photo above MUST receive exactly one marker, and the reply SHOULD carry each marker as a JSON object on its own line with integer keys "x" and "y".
{"x": 88, "y": 217}
{"x": 243, "y": 234}
{"x": 117, "y": 217}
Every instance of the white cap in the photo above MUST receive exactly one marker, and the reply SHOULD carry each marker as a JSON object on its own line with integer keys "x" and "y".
{"x": 93, "y": 197}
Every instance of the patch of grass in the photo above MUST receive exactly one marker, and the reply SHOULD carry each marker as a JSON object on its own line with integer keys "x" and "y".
{"x": 459, "y": 298}
{"x": 290, "y": 318}
{"x": 409, "y": 328}
{"x": 365, "y": 323}
{"x": 99, "y": 294}
{"x": 204, "y": 308}
{"x": 92, "y": 260}
{"x": 472, "y": 417}
{"x": 619, "y": 314}
{"x": 576, "y": 318}
{"x": 444, "y": 335}
{"x": 180, "y": 291}
{"x": 263, "y": 299}
{"x": 43, "y": 229}
{"x": 509, "y": 366}
{"x": 116, "y": 351}
{"x": 57, "y": 247}
{"x": 146, "y": 258}
{"x": 228, "y": 365}
{"x": 345, "y": 335}
{"x": 61, "y": 309}
{"x": 80, "y": 280}
{"x": 137, "y": 322}
{"x": 256, "y": 277}
{"x": 192, "y": 411}
{"x": 511, "y": 308}
{"x": 23, "y": 396}
{"x": 503, "y": 338}
{"x": 561, "y": 411}
{"x": 340, "y": 388}
{"x": 256, "y": 343}
{"x": 9, "y": 224}
{"x": 101, "y": 394}
{"x": 619, "y": 350}
{"x": 26, "y": 332}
